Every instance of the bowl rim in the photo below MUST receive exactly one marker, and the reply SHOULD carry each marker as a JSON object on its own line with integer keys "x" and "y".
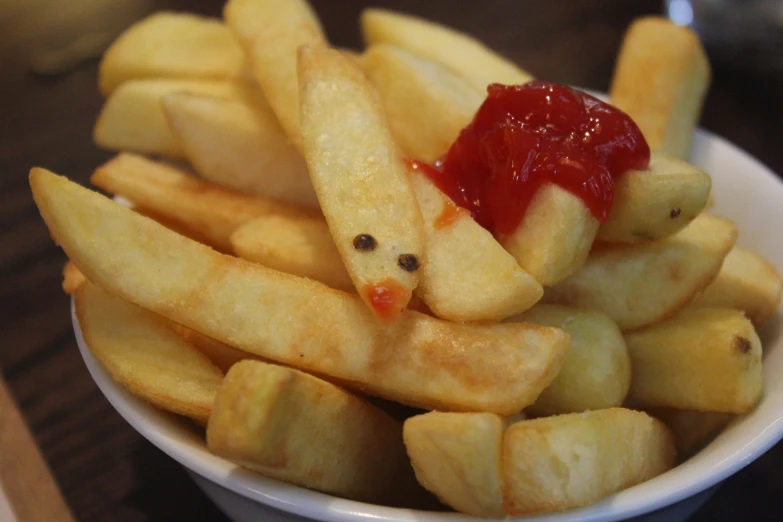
{"x": 160, "y": 429}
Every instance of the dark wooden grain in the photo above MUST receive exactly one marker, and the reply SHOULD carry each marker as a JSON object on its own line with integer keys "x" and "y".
{"x": 105, "y": 469}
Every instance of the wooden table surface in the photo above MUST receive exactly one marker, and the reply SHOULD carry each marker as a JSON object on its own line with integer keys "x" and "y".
{"x": 105, "y": 469}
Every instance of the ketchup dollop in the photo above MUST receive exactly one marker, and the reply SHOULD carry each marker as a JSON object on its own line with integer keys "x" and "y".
{"x": 526, "y": 135}
{"x": 388, "y": 298}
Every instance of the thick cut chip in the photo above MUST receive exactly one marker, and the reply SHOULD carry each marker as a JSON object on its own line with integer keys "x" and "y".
{"x": 655, "y": 203}
{"x": 172, "y": 45}
{"x": 573, "y": 460}
{"x": 239, "y": 143}
{"x": 706, "y": 359}
{"x": 298, "y": 246}
{"x": 72, "y": 278}
{"x": 361, "y": 180}
{"x": 660, "y": 80}
{"x": 596, "y": 373}
{"x": 220, "y": 354}
{"x": 554, "y": 238}
{"x": 747, "y": 282}
{"x": 418, "y": 360}
{"x": 427, "y": 104}
{"x": 458, "y": 51}
{"x": 198, "y": 207}
{"x": 643, "y": 283}
{"x": 295, "y": 427}
{"x": 467, "y": 275}
{"x": 144, "y": 355}
{"x": 692, "y": 429}
{"x": 271, "y": 31}
{"x": 132, "y": 119}
{"x": 457, "y": 456}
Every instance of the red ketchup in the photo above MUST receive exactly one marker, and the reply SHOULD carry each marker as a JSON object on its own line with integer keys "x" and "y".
{"x": 388, "y": 298}
{"x": 526, "y": 135}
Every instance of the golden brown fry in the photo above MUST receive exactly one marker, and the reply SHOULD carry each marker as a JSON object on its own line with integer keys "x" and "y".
{"x": 660, "y": 80}
{"x": 641, "y": 284}
{"x": 144, "y": 355}
{"x": 271, "y": 31}
{"x": 567, "y": 461}
{"x": 655, "y": 203}
{"x": 692, "y": 429}
{"x": 132, "y": 119}
{"x": 596, "y": 373}
{"x": 361, "y": 180}
{"x": 295, "y": 427}
{"x": 419, "y": 360}
{"x": 205, "y": 209}
{"x": 706, "y": 359}
{"x": 72, "y": 278}
{"x": 747, "y": 282}
{"x": 457, "y": 456}
{"x": 427, "y": 104}
{"x": 461, "y": 52}
{"x": 239, "y": 143}
{"x": 220, "y": 354}
{"x": 172, "y": 45}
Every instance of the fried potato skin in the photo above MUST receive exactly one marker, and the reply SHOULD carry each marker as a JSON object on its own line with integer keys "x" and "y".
{"x": 419, "y": 360}
{"x": 567, "y": 461}
{"x": 645, "y": 283}
{"x": 144, "y": 355}
{"x": 72, "y": 278}
{"x": 706, "y": 359}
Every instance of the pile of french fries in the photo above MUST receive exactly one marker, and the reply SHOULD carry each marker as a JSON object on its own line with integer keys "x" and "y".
{"x": 281, "y": 261}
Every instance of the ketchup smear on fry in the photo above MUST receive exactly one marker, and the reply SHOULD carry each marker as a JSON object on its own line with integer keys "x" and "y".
{"x": 526, "y": 135}
{"x": 388, "y": 298}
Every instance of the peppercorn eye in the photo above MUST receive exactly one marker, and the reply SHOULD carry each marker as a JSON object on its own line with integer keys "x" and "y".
{"x": 364, "y": 242}
{"x": 408, "y": 262}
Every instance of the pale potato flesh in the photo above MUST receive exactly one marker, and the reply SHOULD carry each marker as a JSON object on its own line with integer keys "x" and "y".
{"x": 644, "y": 283}
{"x": 132, "y": 119}
{"x": 747, "y": 282}
{"x": 239, "y": 144}
{"x": 145, "y": 356}
{"x": 706, "y": 359}
{"x": 359, "y": 176}
{"x": 270, "y": 32}
{"x": 655, "y": 203}
{"x": 418, "y": 360}
{"x": 457, "y": 456}
{"x": 427, "y": 104}
{"x": 567, "y": 461}
{"x": 200, "y": 208}
{"x": 172, "y": 45}
{"x": 660, "y": 81}
{"x": 596, "y": 373}
{"x": 464, "y": 54}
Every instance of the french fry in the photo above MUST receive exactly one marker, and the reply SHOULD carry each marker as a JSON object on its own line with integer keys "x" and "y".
{"x": 132, "y": 118}
{"x": 457, "y": 456}
{"x": 361, "y": 180}
{"x": 298, "y": 246}
{"x": 572, "y": 460}
{"x": 172, "y": 45}
{"x": 427, "y": 104}
{"x": 596, "y": 373}
{"x": 220, "y": 354}
{"x": 271, "y": 31}
{"x": 554, "y": 238}
{"x": 239, "y": 144}
{"x": 295, "y": 427}
{"x": 644, "y": 283}
{"x": 692, "y": 429}
{"x": 660, "y": 80}
{"x": 706, "y": 359}
{"x": 458, "y": 51}
{"x": 144, "y": 355}
{"x": 747, "y": 282}
{"x": 467, "y": 275}
{"x": 72, "y": 278}
{"x": 201, "y": 208}
{"x": 657, "y": 202}
{"x": 418, "y": 360}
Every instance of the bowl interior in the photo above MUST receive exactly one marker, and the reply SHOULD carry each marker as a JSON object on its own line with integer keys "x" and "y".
{"x": 745, "y": 191}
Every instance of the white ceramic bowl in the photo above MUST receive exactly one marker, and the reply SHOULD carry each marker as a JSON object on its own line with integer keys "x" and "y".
{"x": 745, "y": 191}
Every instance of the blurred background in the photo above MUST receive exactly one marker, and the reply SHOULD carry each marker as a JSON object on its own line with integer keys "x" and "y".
{"x": 49, "y": 51}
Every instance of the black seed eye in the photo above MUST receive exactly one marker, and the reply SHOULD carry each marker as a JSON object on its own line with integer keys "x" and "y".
{"x": 408, "y": 262}
{"x": 674, "y": 213}
{"x": 364, "y": 242}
